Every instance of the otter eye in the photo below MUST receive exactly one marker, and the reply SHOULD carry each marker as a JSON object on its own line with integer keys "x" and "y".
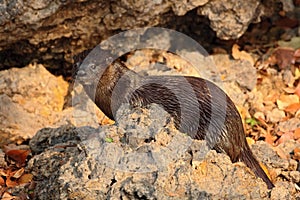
{"x": 92, "y": 66}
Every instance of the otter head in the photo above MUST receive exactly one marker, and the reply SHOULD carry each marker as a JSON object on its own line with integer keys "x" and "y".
{"x": 90, "y": 69}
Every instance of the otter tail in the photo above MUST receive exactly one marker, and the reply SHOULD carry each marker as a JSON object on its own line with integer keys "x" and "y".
{"x": 249, "y": 159}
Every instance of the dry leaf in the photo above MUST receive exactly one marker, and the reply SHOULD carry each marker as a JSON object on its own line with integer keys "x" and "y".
{"x": 286, "y": 100}
{"x": 297, "y": 74}
{"x": 18, "y": 155}
{"x": 297, "y": 90}
{"x": 263, "y": 122}
{"x": 283, "y": 57}
{"x": 271, "y": 97}
{"x": 17, "y": 174}
{"x": 280, "y": 133}
{"x": 261, "y": 132}
{"x": 297, "y": 114}
{"x": 25, "y": 178}
{"x": 3, "y": 172}
{"x": 250, "y": 141}
{"x": 7, "y": 196}
{"x": 11, "y": 183}
{"x": 292, "y": 108}
{"x": 241, "y": 55}
{"x": 297, "y": 153}
{"x": 269, "y": 138}
{"x": 285, "y": 137}
{"x": 2, "y": 181}
{"x": 289, "y": 90}
{"x": 297, "y": 134}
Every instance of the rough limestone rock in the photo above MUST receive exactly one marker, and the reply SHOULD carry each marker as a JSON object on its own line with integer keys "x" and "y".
{"x": 141, "y": 157}
{"x": 222, "y": 20}
{"x": 54, "y": 31}
{"x": 30, "y": 98}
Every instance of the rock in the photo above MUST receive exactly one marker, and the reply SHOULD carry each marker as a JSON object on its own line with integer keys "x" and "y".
{"x": 275, "y": 115}
{"x": 288, "y": 78}
{"x": 290, "y": 124}
{"x": 46, "y": 138}
{"x": 80, "y": 163}
{"x": 219, "y": 14}
{"x": 234, "y": 78}
{"x": 31, "y": 99}
{"x": 286, "y": 168}
{"x": 283, "y": 190}
{"x": 259, "y": 115}
{"x": 256, "y": 99}
{"x": 295, "y": 175}
{"x": 182, "y": 7}
{"x": 53, "y": 32}
{"x": 268, "y": 156}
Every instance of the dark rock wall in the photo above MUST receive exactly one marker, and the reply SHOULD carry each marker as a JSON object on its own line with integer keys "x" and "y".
{"x": 52, "y": 32}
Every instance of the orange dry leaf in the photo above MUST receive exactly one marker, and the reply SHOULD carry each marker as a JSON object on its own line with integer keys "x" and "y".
{"x": 280, "y": 133}
{"x": 297, "y": 73}
{"x": 297, "y": 90}
{"x": 25, "y": 178}
{"x": 286, "y": 136}
{"x": 286, "y": 100}
{"x": 250, "y": 141}
{"x": 264, "y": 123}
{"x": 269, "y": 138}
{"x": 2, "y": 182}
{"x": 18, "y": 155}
{"x": 289, "y": 90}
{"x": 12, "y": 178}
{"x": 297, "y": 134}
{"x": 292, "y": 108}
{"x": 15, "y": 178}
{"x": 17, "y": 174}
{"x": 297, "y": 153}
{"x": 3, "y": 172}
{"x": 7, "y": 196}
{"x": 241, "y": 55}
{"x": 11, "y": 182}
{"x": 272, "y": 96}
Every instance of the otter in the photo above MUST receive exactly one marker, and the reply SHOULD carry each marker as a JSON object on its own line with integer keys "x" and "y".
{"x": 198, "y": 107}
